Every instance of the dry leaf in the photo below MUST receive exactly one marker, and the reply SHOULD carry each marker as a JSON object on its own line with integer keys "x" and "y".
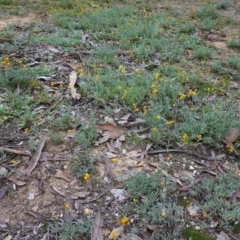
{"x": 102, "y": 140}
{"x": 116, "y": 232}
{"x": 119, "y": 194}
{"x": 185, "y": 175}
{"x": 3, "y": 191}
{"x": 72, "y": 80}
{"x": 79, "y": 195}
{"x": 134, "y": 237}
{"x": 235, "y": 195}
{"x": 232, "y": 135}
{"x": 222, "y": 236}
{"x": 17, "y": 182}
{"x": 52, "y": 49}
{"x": 109, "y": 130}
{"x": 193, "y": 210}
{"x": 34, "y": 160}
{"x": 3, "y": 171}
{"x": 88, "y": 211}
{"x": 97, "y": 230}
{"x": 154, "y": 227}
{"x": 62, "y": 175}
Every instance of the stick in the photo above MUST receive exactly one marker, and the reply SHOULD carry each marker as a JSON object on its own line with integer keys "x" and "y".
{"x": 94, "y": 199}
{"x": 19, "y": 152}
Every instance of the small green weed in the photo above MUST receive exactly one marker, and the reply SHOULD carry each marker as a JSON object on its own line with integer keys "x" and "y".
{"x": 234, "y": 43}
{"x": 32, "y": 144}
{"x": 70, "y": 230}
{"x": 214, "y": 195}
{"x": 150, "y": 200}
{"x": 83, "y": 164}
{"x": 224, "y": 4}
{"x": 203, "y": 53}
{"x": 88, "y": 136}
{"x": 207, "y": 12}
{"x": 63, "y": 121}
{"x": 234, "y": 62}
{"x": 193, "y": 234}
{"x": 57, "y": 138}
{"x": 6, "y": 2}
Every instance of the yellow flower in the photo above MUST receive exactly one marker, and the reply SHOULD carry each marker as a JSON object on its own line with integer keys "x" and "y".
{"x": 112, "y": 235}
{"x": 154, "y": 91}
{"x": 123, "y": 221}
{"x": 168, "y": 158}
{"x": 13, "y": 161}
{"x": 121, "y": 69}
{"x": 135, "y": 107}
{"x": 230, "y": 149}
{"x": 170, "y": 122}
{"x": 204, "y": 213}
{"x": 158, "y": 117}
{"x": 113, "y": 160}
{"x": 97, "y": 77}
{"x": 137, "y": 70}
{"x": 73, "y": 120}
{"x": 67, "y": 206}
{"x": 157, "y": 75}
{"x": 191, "y": 93}
{"x": 154, "y": 129}
{"x": 165, "y": 64}
{"x": 185, "y": 139}
{"x": 182, "y": 96}
{"x": 162, "y": 184}
{"x": 70, "y": 130}
{"x": 26, "y": 130}
{"x": 61, "y": 85}
{"x": 144, "y": 109}
{"x": 135, "y": 200}
{"x": 164, "y": 214}
{"x": 86, "y": 176}
{"x": 52, "y": 84}
{"x": 199, "y": 137}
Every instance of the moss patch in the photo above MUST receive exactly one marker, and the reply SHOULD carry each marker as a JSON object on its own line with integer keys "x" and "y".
{"x": 193, "y": 234}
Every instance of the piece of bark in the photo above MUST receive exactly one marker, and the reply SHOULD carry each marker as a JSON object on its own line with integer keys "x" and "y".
{"x": 34, "y": 160}
{"x": 19, "y": 152}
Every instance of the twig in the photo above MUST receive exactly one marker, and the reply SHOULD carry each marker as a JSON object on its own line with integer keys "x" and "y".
{"x": 94, "y": 199}
{"x": 184, "y": 151}
{"x": 10, "y": 150}
{"x": 50, "y": 107}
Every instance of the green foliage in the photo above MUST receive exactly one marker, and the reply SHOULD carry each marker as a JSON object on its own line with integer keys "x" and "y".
{"x": 70, "y": 230}
{"x": 234, "y": 62}
{"x": 22, "y": 75}
{"x": 6, "y": 2}
{"x": 88, "y": 136}
{"x": 151, "y": 202}
{"x": 224, "y": 4}
{"x": 63, "y": 121}
{"x": 57, "y": 138}
{"x": 203, "y": 53}
{"x": 84, "y": 163}
{"x": 207, "y": 11}
{"x": 234, "y": 43}
{"x": 193, "y": 234}
{"x": 213, "y": 198}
